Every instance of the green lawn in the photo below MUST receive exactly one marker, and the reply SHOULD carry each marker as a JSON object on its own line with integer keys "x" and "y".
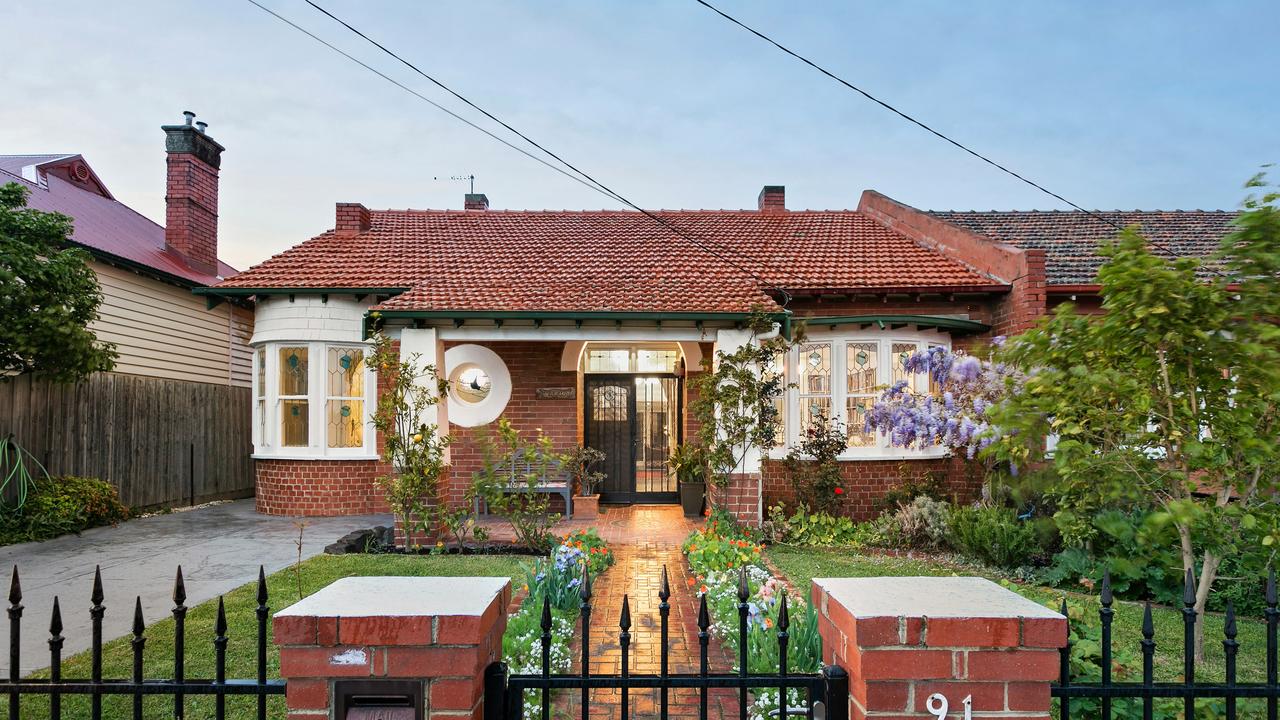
{"x": 241, "y": 603}
{"x": 801, "y": 565}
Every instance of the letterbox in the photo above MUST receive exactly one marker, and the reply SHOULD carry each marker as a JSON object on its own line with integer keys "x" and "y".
{"x": 378, "y": 700}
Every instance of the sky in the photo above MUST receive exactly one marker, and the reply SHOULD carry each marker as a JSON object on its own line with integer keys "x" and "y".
{"x": 1151, "y": 105}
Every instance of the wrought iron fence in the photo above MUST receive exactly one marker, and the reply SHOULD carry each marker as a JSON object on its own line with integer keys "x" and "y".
{"x": 1106, "y": 692}
{"x": 826, "y": 693}
{"x": 97, "y": 687}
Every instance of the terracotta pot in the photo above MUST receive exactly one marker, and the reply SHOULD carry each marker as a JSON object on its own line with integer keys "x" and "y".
{"x": 586, "y": 507}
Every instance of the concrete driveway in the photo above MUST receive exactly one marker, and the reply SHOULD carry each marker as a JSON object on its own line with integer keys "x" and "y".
{"x": 219, "y": 548}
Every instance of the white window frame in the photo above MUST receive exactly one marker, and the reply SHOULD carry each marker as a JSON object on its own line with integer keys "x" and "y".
{"x": 838, "y": 340}
{"x": 266, "y": 441}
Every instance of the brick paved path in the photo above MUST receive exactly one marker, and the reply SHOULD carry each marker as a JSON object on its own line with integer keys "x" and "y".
{"x": 644, "y": 539}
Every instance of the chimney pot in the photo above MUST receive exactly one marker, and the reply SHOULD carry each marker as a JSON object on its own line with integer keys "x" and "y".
{"x": 201, "y": 126}
{"x": 773, "y": 198}
{"x": 189, "y": 116}
{"x": 475, "y": 201}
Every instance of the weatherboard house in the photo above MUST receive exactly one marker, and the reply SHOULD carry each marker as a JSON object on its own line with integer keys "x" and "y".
{"x": 586, "y": 326}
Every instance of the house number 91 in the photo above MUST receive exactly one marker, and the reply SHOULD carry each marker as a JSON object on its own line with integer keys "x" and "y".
{"x": 937, "y": 705}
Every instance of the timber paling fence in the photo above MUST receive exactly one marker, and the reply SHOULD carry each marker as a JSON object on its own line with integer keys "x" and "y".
{"x": 178, "y": 686}
{"x": 159, "y": 442}
{"x": 1148, "y": 691}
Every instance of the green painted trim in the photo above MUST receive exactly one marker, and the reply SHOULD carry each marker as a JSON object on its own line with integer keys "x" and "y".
{"x": 234, "y": 291}
{"x": 932, "y": 321}
{"x": 557, "y": 315}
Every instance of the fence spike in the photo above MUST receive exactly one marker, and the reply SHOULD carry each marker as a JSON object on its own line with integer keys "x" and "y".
{"x": 1106, "y": 586}
{"x": 1189, "y": 590}
{"x": 624, "y": 620}
{"x": 784, "y": 618}
{"x": 546, "y": 614}
{"x": 1148, "y": 627}
{"x": 179, "y": 589}
{"x": 743, "y": 591}
{"x": 1271, "y": 585}
{"x": 138, "y": 624}
{"x": 220, "y": 625}
{"x": 664, "y": 591}
{"x": 15, "y": 588}
{"x": 97, "y": 596}
{"x": 584, "y": 589}
{"x": 1229, "y": 627}
{"x": 55, "y": 622}
{"x": 704, "y": 618}
{"x": 262, "y": 585}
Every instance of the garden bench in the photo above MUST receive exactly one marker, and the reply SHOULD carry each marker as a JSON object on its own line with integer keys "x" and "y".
{"x": 516, "y": 468}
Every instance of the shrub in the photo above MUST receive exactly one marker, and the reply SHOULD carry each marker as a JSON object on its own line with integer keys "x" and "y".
{"x": 925, "y": 522}
{"x": 909, "y": 488}
{"x": 62, "y": 505}
{"x": 812, "y": 467}
{"x": 995, "y": 536}
{"x": 820, "y": 529}
{"x": 528, "y": 512}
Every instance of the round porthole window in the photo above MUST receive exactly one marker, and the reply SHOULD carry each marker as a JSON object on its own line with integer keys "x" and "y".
{"x": 470, "y": 383}
{"x": 479, "y": 385}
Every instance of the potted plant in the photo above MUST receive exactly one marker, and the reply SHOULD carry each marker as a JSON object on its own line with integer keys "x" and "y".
{"x": 689, "y": 461}
{"x": 581, "y": 464}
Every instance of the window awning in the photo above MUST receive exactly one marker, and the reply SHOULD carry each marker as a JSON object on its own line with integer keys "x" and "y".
{"x": 889, "y": 322}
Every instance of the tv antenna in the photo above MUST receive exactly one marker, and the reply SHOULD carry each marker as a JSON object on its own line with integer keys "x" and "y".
{"x": 469, "y": 178}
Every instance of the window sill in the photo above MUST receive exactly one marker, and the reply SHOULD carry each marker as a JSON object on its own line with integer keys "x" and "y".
{"x": 878, "y": 454}
{"x": 296, "y": 456}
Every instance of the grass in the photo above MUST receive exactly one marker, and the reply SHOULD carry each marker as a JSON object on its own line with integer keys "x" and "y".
{"x": 801, "y": 565}
{"x": 241, "y": 650}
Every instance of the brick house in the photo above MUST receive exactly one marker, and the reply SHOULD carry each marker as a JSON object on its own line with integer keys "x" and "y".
{"x": 587, "y": 326}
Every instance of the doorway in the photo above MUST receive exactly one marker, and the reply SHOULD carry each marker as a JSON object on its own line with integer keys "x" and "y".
{"x": 635, "y": 420}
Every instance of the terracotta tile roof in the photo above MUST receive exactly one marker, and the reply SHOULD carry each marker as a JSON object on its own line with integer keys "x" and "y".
{"x": 608, "y": 260}
{"x": 102, "y": 224}
{"x": 1070, "y": 238}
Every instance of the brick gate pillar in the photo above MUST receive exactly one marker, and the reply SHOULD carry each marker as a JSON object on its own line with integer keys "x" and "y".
{"x": 911, "y": 644}
{"x": 437, "y": 633}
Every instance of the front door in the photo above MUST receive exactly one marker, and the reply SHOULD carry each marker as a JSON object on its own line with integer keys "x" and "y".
{"x": 635, "y": 421}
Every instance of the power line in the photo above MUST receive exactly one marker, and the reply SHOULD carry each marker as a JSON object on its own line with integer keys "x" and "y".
{"x": 418, "y": 95}
{"x": 900, "y": 113}
{"x": 585, "y": 179}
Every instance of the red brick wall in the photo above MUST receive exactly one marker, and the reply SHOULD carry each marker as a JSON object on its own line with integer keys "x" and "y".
{"x": 191, "y": 209}
{"x": 740, "y": 497}
{"x": 532, "y": 365}
{"x": 867, "y": 481}
{"x": 318, "y": 487}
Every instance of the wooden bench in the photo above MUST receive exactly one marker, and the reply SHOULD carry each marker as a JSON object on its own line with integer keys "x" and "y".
{"x": 517, "y": 468}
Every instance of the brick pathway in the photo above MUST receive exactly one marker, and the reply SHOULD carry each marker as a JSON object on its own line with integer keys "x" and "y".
{"x": 644, "y": 539}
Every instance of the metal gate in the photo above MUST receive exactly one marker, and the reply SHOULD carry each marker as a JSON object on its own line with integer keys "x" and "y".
{"x": 636, "y": 421}
{"x": 826, "y": 693}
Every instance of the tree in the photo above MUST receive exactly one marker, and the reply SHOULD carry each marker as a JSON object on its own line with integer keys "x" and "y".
{"x": 1169, "y": 399}
{"x": 48, "y": 296}
{"x": 736, "y": 403}
{"x": 413, "y": 447}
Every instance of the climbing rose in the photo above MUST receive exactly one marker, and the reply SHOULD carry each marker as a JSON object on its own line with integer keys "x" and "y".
{"x": 839, "y": 491}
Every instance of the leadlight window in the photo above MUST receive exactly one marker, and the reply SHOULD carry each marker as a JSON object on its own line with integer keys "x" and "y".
{"x": 813, "y": 374}
{"x": 609, "y": 360}
{"x": 295, "y": 415}
{"x": 260, "y": 395}
{"x": 862, "y": 362}
{"x": 630, "y": 359}
{"x": 344, "y": 404}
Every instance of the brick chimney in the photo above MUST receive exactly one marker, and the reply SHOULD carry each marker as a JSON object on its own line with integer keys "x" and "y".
{"x": 773, "y": 198}
{"x": 352, "y": 218}
{"x": 191, "y": 193}
{"x": 475, "y": 201}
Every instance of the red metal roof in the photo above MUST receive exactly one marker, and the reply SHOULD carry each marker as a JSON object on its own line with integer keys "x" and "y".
{"x": 610, "y": 260}
{"x": 102, "y": 224}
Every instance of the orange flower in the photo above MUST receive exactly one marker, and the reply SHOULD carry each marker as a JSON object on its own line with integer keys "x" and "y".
{"x": 704, "y": 589}
{"x": 768, "y": 623}
{"x": 690, "y": 581}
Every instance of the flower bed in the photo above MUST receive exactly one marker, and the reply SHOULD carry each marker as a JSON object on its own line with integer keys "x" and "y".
{"x": 557, "y": 578}
{"x": 719, "y": 554}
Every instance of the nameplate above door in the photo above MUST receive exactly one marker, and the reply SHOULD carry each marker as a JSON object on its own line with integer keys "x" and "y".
{"x": 557, "y": 393}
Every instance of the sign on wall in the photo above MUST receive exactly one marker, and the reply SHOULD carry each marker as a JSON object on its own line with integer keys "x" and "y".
{"x": 557, "y": 393}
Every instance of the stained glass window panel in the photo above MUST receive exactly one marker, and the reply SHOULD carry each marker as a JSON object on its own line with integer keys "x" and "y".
{"x": 609, "y": 360}
{"x": 811, "y": 408}
{"x": 293, "y": 371}
{"x": 813, "y": 368}
{"x": 293, "y": 423}
{"x": 661, "y": 361}
{"x": 261, "y": 389}
{"x": 345, "y": 423}
{"x": 346, "y": 372}
{"x": 898, "y": 356}
{"x": 863, "y": 361}
{"x": 856, "y": 410}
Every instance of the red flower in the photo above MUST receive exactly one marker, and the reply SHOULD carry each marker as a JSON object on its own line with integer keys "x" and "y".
{"x": 839, "y": 491}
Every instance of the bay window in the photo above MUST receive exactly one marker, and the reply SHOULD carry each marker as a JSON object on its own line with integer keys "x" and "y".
{"x": 311, "y": 399}
{"x": 840, "y": 376}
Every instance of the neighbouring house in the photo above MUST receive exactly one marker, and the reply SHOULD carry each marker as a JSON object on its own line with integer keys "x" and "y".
{"x": 170, "y": 424}
{"x": 587, "y": 325}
